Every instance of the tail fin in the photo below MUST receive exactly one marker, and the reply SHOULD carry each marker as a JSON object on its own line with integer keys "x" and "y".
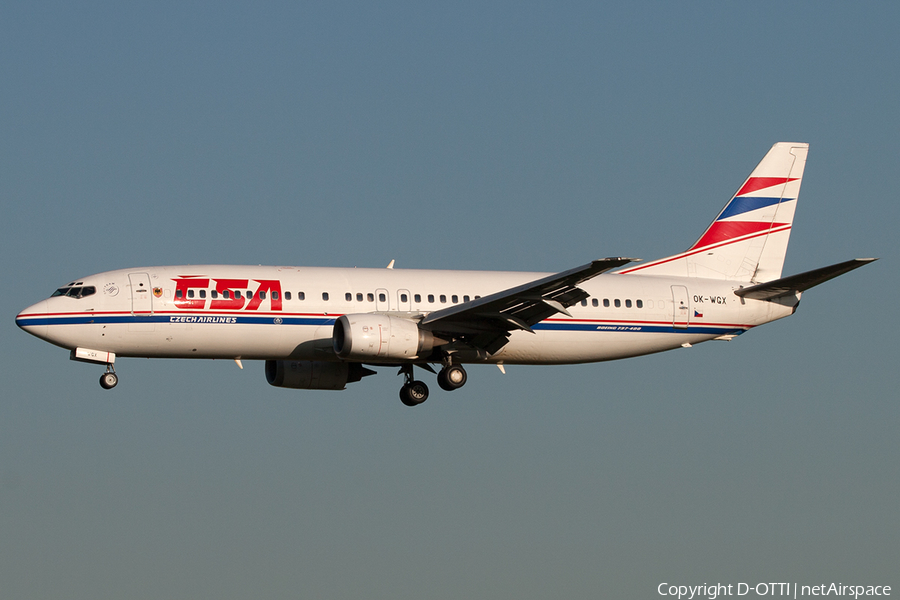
{"x": 749, "y": 238}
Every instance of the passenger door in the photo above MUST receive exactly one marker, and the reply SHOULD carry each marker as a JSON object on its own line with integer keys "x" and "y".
{"x": 682, "y": 307}
{"x": 141, "y": 294}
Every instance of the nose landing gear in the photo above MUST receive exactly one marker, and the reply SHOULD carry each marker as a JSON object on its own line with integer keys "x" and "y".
{"x": 109, "y": 379}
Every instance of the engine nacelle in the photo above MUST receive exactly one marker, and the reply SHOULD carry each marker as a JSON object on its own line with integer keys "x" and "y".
{"x": 313, "y": 374}
{"x": 371, "y": 337}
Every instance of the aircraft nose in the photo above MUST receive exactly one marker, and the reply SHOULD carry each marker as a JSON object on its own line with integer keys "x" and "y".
{"x": 34, "y": 319}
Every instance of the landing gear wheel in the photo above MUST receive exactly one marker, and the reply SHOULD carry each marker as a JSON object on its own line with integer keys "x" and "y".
{"x": 108, "y": 381}
{"x": 414, "y": 393}
{"x": 452, "y": 378}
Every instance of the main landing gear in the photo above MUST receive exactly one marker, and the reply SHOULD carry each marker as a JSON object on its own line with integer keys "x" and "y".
{"x": 414, "y": 392}
{"x": 109, "y": 379}
{"x": 452, "y": 377}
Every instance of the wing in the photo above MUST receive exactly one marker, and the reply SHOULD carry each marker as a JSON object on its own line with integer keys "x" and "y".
{"x": 486, "y": 323}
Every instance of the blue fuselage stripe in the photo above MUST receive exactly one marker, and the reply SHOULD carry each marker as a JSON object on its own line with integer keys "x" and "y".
{"x": 327, "y": 321}
{"x": 187, "y": 319}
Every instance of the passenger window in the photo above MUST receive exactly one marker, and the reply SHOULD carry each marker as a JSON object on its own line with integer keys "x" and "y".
{"x": 190, "y": 293}
{"x": 325, "y": 296}
{"x": 301, "y": 296}
{"x": 465, "y": 298}
{"x": 287, "y": 295}
{"x": 214, "y": 294}
{"x": 443, "y": 298}
{"x": 628, "y": 304}
{"x": 640, "y": 303}
{"x": 237, "y": 293}
{"x": 262, "y": 295}
{"x": 370, "y": 297}
{"x": 618, "y": 303}
{"x": 431, "y": 298}
{"x": 203, "y": 293}
{"x": 477, "y": 297}
{"x": 404, "y": 298}
{"x": 454, "y": 299}
{"x": 606, "y": 303}
{"x": 348, "y": 296}
{"x": 417, "y": 298}
{"x": 179, "y": 294}
{"x": 584, "y": 302}
{"x": 594, "y": 302}
{"x": 249, "y": 295}
{"x": 274, "y": 295}
{"x": 382, "y": 297}
{"x": 359, "y": 297}
{"x": 225, "y": 294}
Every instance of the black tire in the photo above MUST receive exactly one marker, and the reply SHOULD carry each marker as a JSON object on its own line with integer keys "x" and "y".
{"x": 108, "y": 381}
{"x": 404, "y": 396}
{"x": 442, "y": 381}
{"x": 414, "y": 393}
{"x": 452, "y": 378}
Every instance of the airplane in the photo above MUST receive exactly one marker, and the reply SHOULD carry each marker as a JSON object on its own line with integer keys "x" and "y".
{"x": 322, "y": 328}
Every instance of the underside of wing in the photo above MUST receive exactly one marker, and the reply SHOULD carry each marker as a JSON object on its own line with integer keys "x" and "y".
{"x": 486, "y": 323}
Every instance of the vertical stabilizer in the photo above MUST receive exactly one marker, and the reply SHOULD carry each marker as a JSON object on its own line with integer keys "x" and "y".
{"x": 748, "y": 240}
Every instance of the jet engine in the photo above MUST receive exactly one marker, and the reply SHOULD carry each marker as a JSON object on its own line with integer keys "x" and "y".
{"x": 314, "y": 374}
{"x": 375, "y": 337}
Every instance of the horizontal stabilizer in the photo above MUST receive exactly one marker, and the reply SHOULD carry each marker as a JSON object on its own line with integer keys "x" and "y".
{"x": 802, "y": 282}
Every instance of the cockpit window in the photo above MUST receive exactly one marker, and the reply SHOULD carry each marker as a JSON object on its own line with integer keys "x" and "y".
{"x": 75, "y": 292}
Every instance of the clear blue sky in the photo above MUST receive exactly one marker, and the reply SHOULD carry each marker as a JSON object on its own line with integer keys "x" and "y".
{"x": 514, "y": 136}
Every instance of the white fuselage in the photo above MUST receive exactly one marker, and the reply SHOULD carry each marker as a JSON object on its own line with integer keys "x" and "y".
{"x": 257, "y": 312}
